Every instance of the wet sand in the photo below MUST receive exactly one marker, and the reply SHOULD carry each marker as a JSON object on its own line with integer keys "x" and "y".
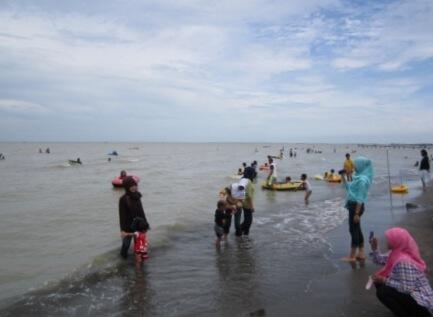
{"x": 343, "y": 293}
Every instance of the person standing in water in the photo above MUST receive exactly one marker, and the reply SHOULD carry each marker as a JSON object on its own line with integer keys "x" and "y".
{"x": 220, "y": 220}
{"x": 130, "y": 208}
{"x": 306, "y": 185}
{"x": 248, "y": 203}
{"x": 348, "y": 167}
{"x": 272, "y": 177}
{"x": 356, "y": 197}
{"x": 424, "y": 169}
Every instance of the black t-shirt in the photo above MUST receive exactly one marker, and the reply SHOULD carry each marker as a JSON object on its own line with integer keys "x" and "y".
{"x": 220, "y": 216}
{"x": 425, "y": 164}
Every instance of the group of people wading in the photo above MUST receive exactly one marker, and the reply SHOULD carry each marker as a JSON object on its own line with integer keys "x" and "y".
{"x": 401, "y": 285}
{"x": 235, "y": 201}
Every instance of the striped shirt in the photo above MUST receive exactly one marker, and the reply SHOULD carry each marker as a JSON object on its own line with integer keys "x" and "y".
{"x": 408, "y": 279}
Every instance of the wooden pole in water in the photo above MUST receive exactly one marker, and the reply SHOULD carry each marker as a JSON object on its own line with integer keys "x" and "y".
{"x": 389, "y": 177}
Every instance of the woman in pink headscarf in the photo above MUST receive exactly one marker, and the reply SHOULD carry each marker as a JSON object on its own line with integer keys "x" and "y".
{"x": 401, "y": 284}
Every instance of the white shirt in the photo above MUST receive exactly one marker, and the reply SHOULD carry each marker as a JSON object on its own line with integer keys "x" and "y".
{"x": 236, "y": 192}
{"x": 274, "y": 173}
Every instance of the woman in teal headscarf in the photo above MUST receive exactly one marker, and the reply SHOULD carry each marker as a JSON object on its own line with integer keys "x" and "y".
{"x": 357, "y": 191}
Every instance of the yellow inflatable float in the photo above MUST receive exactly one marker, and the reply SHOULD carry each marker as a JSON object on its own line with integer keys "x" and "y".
{"x": 400, "y": 189}
{"x": 334, "y": 179}
{"x": 283, "y": 186}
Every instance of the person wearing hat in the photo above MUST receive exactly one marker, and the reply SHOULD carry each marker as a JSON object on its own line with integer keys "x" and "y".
{"x": 130, "y": 207}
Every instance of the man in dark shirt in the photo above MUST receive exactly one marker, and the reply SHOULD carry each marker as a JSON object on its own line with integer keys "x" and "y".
{"x": 424, "y": 168}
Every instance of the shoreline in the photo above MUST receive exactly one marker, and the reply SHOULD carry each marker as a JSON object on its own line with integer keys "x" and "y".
{"x": 343, "y": 293}
{"x": 270, "y": 274}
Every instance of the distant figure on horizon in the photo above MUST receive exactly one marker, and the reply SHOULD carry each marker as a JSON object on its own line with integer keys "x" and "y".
{"x": 424, "y": 169}
{"x": 2, "y": 157}
{"x": 47, "y": 150}
{"x": 79, "y": 161}
{"x": 40, "y": 150}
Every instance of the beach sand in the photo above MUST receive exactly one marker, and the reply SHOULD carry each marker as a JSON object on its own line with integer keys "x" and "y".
{"x": 344, "y": 293}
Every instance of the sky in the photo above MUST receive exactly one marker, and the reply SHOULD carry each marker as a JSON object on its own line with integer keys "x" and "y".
{"x": 216, "y": 71}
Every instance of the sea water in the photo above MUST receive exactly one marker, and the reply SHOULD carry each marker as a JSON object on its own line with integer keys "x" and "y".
{"x": 59, "y": 233}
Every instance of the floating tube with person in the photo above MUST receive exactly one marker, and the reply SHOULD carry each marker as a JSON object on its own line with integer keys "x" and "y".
{"x": 113, "y": 153}
{"x": 74, "y": 162}
{"x": 400, "y": 189}
{"x": 334, "y": 179}
{"x": 284, "y": 186}
{"x": 118, "y": 181}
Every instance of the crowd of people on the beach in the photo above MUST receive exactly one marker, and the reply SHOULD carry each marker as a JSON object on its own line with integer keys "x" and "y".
{"x": 401, "y": 285}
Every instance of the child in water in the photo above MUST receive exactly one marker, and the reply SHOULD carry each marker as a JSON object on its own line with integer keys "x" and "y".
{"x": 331, "y": 174}
{"x": 306, "y": 185}
{"x": 221, "y": 219}
{"x": 141, "y": 243}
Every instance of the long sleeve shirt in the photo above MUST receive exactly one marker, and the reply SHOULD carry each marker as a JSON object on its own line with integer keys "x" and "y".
{"x": 406, "y": 278}
{"x": 129, "y": 209}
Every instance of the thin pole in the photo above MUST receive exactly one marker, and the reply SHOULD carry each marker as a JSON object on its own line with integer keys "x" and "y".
{"x": 389, "y": 177}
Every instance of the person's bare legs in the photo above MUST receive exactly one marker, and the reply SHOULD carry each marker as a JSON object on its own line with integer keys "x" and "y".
{"x": 138, "y": 260}
{"x": 218, "y": 242}
{"x": 307, "y": 196}
{"x": 361, "y": 254}
{"x": 351, "y": 257}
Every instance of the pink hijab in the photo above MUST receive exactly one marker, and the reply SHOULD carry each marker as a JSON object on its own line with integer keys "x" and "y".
{"x": 403, "y": 249}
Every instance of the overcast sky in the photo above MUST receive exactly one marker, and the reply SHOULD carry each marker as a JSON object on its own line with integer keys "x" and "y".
{"x": 226, "y": 70}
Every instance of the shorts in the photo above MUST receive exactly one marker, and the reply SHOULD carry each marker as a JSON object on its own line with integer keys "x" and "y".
{"x": 219, "y": 231}
{"x": 425, "y": 175}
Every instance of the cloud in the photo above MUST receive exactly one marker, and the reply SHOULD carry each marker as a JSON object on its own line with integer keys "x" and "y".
{"x": 393, "y": 37}
{"x": 169, "y": 64}
{"x": 19, "y": 106}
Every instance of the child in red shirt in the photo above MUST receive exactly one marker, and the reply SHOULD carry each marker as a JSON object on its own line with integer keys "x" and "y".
{"x": 140, "y": 240}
